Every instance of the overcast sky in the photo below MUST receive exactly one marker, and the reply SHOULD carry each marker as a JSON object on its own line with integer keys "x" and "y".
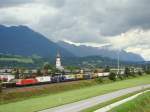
{"x": 123, "y": 24}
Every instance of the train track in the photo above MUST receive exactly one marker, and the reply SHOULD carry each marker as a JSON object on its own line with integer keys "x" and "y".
{"x": 38, "y": 86}
{"x": 23, "y": 87}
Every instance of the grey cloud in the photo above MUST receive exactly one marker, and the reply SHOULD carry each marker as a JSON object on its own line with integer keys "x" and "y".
{"x": 84, "y": 21}
{"x": 89, "y": 20}
{"x": 10, "y": 19}
{"x": 55, "y": 3}
{"x": 10, "y": 3}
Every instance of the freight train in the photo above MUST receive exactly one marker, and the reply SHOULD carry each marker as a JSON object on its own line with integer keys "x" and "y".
{"x": 52, "y": 79}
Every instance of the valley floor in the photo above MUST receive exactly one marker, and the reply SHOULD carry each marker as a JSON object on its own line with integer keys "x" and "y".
{"x": 53, "y": 100}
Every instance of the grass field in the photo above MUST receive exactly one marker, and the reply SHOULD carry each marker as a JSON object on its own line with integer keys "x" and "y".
{"x": 53, "y": 100}
{"x": 139, "y": 104}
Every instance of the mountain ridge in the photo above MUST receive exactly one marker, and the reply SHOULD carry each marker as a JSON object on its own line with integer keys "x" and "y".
{"x": 21, "y": 40}
{"x": 99, "y": 51}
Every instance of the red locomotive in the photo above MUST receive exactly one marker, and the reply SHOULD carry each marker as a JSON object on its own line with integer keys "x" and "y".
{"x": 24, "y": 82}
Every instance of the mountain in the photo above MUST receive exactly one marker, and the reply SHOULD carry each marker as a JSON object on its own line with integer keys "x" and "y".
{"x": 83, "y": 51}
{"x": 21, "y": 40}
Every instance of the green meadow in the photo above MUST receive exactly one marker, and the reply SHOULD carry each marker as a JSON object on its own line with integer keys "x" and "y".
{"x": 139, "y": 104}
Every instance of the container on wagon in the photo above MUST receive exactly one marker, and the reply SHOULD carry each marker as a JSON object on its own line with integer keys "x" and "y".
{"x": 103, "y": 74}
{"x": 79, "y": 76}
{"x": 43, "y": 79}
{"x": 6, "y": 77}
{"x": 94, "y": 75}
{"x": 58, "y": 78}
{"x": 87, "y": 76}
{"x": 70, "y": 77}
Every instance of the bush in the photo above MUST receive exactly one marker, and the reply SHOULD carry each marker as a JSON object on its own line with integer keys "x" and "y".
{"x": 0, "y": 87}
{"x": 107, "y": 69}
{"x": 127, "y": 72}
{"x": 147, "y": 72}
{"x": 140, "y": 73}
{"x": 120, "y": 77}
{"x": 112, "y": 76}
{"x": 133, "y": 75}
{"x": 99, "y": 80}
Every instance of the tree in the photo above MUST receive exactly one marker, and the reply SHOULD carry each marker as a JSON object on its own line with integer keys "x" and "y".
{"x": 46, "y": 68}
{"x": 16, "y": 73}
{"x": 107, "y": 69}
{"x": 120, "y": 76}
{"x": 22, "y": 70}
{"x": 112, "y": 76}
{"x": 39, "y": 72}
{"x": 72, "y": 68}
{"x": 146, "y": 68}
{"x": 95, "y": 71}
{"x": 55, "y": 70}
{"x": 99, "y": 79}
{"x": 140, "y": 73}
{"x": 132, "y": 72}
{"x": 127, "y": 72}
{"x": 0, "y": 87}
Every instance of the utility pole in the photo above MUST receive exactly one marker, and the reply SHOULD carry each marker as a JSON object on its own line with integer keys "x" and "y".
{"x": 146, "y": 66}
{"x": 118, "y": 62}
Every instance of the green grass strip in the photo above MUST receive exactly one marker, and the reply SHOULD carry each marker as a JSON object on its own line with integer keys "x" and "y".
{"x": 139, "y": 104}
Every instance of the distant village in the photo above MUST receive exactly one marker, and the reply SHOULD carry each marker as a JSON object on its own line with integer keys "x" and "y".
{"x": 48, "y": 74}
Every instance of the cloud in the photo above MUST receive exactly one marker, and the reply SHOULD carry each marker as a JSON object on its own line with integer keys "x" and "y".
{"x": 98, "y": 17}
{"x": 54, "y": 3}
{"x": 145, "y": 53}
{"x": 88, "y": 44}
{"x": 12, "y": 3}
{"x": 134, "y": 37}
{"x": 84, "y": 21}
{"x": 136, "y": 41}
{"x": 93, "y": 20}
{"x": 15, "y": 3}
{"x": 27, "y": 14}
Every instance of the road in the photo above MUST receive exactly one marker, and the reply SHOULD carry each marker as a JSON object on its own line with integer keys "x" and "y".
{"x": 116, "y": 104}
{"x": 81, "y": 105}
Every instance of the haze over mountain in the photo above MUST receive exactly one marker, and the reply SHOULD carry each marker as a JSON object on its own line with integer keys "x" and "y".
{"x": 21, "y": 40}
{"x": 83, "y": 51}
